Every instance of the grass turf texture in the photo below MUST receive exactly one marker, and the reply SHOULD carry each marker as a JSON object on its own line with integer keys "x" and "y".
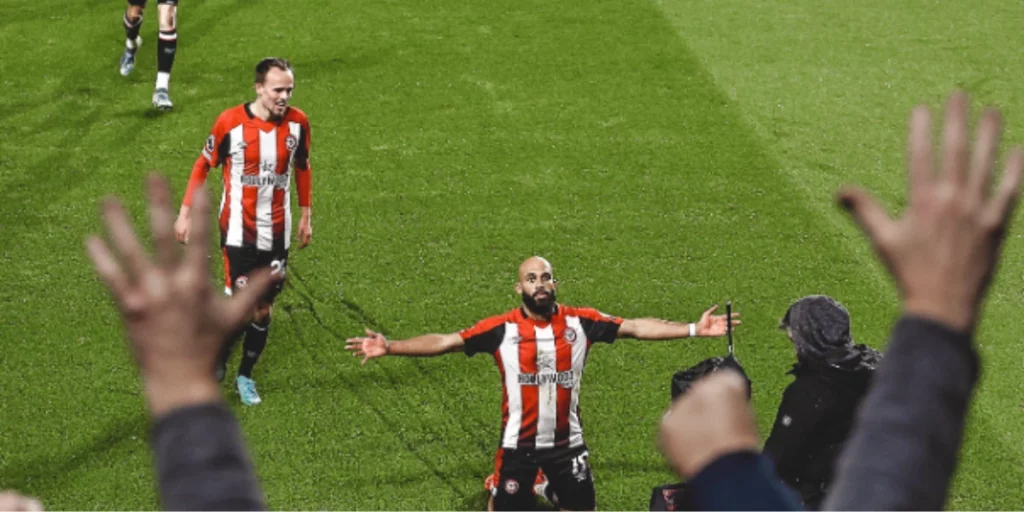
{"x": 664, "y": 155}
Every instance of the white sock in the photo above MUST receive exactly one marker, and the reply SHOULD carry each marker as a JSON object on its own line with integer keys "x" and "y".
{"x": 128, "y": 43}
{"x": 163, "y": 80}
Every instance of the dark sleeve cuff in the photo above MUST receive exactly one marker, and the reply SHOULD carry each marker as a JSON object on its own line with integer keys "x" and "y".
{"x": 741, "y": 481}
{"x": 173, "y": 420}
{"x": 940, "y": 338}
{"x": 202, "y": 462}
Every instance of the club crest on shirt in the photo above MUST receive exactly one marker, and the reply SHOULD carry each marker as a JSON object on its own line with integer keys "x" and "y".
{"x": 511, "y": 486}
{"x": 570, "y": 336}
{"x": 211, "y": 141}
{"x": 291, "y": 142}
{"x": 241, "y": 282}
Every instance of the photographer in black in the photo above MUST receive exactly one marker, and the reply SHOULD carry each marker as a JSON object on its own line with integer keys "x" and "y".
{"x": 818, "y": 408}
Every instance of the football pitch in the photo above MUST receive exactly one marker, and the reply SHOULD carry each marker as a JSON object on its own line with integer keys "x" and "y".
{"x": 665, "y": 155}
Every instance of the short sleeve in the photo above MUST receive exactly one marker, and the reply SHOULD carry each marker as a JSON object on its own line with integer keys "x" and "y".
{"x": 599, "y": 326}
{"x": 485, "y": 336}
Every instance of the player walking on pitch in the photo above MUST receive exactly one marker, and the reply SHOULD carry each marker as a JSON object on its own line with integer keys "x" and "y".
{"x": 166, "y": 48}
{"x": 540, "y": 349}
{"x": 257, "y": 144}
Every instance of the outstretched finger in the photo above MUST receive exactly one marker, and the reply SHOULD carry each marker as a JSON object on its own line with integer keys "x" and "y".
{"x": 198, "y": 233}
{"x": 238, "y": 309}
{"x": 161, "y": 220}
{"x": 711, "y": 310}
{"x": 919, "y": 155}
{"x": 954, "y": 139}
{"x": 122, "y": 235}
{"x": 866, "y": 211}
{"x": 1005, "y": 200}
{"x": 107, "y": 267}
{"x": 984, "y": 156}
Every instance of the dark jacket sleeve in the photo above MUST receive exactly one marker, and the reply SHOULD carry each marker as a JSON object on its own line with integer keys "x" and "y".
{"x": 740, "y": 481}
{"x": 793, "y": 439}
{"x": 904, "y": 446}
{"x": 202, "y": 462}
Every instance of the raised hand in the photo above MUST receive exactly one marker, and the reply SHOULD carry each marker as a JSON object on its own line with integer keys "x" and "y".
{"x": 944, "y": 250}
{"x": 175, "y": 321}
{"x": 712, "y": 419}
{"x": 371, "y": 346}
{"x": 715, "y": 325}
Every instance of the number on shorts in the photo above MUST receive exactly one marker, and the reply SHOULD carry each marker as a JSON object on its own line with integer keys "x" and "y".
{"x": 279, "y": 266}
{"x": 581, "y": 466}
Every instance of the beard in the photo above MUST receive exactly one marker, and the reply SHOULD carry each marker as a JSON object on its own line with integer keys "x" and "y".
{"x": 272, "y": 110}
{"x": 543, "y": 307}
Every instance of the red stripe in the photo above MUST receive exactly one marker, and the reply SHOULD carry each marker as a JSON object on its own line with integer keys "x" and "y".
{"x": 530, "y": 394}
{"x": 498, "y": 456}
{"x": 563, "y": 361}
{"x": 227, "y": 267}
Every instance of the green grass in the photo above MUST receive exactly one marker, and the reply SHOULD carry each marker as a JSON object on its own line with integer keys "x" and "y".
{"x": 664, "y": 154}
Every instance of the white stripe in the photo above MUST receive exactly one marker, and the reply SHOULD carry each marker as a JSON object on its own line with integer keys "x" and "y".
{"x": 509, "y": 350}
{"x": 579, "y": 359}
{"x": 295, "y": 130}
{"x": 547, "y": 394}
{"x": 237, "y": 148}
{"x": 265, "y": 193}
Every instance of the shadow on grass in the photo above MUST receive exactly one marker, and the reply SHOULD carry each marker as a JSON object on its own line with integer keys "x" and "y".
{"x": 37, "y": 476}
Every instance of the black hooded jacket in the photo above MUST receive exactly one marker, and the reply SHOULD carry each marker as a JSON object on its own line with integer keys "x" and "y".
{"x": 816, "y": 415}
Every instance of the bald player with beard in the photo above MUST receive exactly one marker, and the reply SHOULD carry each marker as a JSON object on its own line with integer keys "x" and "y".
{"x": 540, "y": 349}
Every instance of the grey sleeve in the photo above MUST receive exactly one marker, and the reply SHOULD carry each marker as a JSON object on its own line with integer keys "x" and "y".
{"x": 905, "y": 443}
{"x": 202, "y": 462}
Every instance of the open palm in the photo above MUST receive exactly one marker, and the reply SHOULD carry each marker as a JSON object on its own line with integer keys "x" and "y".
{"x": 715, "y": 325}
{"x": 371, "y": 346}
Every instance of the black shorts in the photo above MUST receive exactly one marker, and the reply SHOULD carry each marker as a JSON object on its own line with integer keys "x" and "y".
{"x": 142, "y": 3}
{"x": 240, "y": 262}
{"x": 567, "y": 469}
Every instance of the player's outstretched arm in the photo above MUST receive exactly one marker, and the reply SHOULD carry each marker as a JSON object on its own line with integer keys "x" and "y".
{"x": 375, "y": 345}
{"x": 709, "y": 325}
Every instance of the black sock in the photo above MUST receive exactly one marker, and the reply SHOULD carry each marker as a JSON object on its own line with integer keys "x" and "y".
{"x": 225, "y": 352}
{"x": 166, "y": 48}
{"x": 131, "y": 28}
{"x": 252, "y": 347}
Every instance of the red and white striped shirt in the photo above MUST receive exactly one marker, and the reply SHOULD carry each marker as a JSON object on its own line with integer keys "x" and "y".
{"x": 257, "y": 157}
{"x": 541, "y": 364}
